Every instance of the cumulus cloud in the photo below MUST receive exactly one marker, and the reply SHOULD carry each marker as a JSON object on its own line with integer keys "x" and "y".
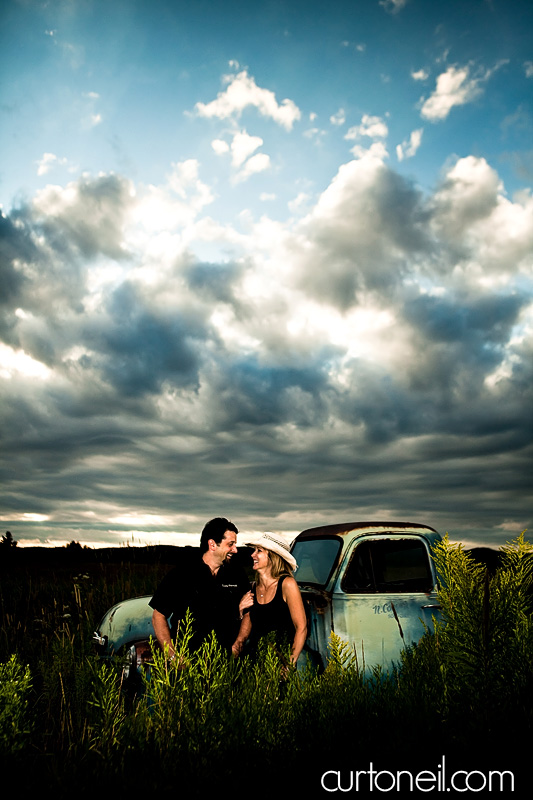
{"x": 242, "y": 92}
{"x": 410, "y": 147}
{"x": 339, "y": 118}
{"x": 455, "y": 87}
{"x": 86, "y": 216}
{"x": 177, "y": 202}
{"x": 220, "y": 146}
{"x": 469, "y": 193}
{"x": 371, "y": 126}
{"x": 242, "y": 146}
{"x": 365, "y": 227}
{"x": 488, "y": 236}
{"x": 258, "y": 163}
{"x": 48, "y": 161}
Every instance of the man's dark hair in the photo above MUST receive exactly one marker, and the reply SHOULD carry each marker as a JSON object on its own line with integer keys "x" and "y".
{"x": 215, "y": 529}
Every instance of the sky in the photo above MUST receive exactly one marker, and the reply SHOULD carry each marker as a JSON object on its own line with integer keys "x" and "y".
{"x": 269, "y": 261}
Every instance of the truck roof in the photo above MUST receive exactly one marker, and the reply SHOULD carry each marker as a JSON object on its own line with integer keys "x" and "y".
{"x": 344, "y": 528}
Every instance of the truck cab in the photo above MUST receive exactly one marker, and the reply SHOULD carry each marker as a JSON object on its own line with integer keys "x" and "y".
{"x": 371, "y": 583}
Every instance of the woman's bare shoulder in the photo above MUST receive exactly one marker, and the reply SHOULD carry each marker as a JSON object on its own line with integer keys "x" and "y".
{"x": 290, "y": 585}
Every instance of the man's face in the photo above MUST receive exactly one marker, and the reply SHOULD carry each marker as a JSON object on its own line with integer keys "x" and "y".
{"x": 227, "y": 546}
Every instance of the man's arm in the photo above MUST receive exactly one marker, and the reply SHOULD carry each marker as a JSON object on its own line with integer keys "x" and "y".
{"x": 244, "y": 632}
{"x": 162, "y": 632}
{"x": 247, "y": 601}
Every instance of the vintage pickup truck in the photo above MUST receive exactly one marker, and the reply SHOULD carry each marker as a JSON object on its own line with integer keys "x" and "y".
{"x": 372, "y": 583}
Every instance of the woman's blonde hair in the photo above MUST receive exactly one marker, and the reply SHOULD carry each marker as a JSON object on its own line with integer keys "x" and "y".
{"x": 278, "y": 565}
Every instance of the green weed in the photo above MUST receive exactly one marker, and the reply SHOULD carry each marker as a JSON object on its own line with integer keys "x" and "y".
{"x": 16, "y": 721}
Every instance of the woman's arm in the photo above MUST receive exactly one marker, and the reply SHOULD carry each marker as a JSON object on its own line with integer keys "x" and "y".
{"x": 293, "y": 598}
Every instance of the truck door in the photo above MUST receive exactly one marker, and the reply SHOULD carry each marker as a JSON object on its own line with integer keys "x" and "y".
{"x": 384, "y": 596}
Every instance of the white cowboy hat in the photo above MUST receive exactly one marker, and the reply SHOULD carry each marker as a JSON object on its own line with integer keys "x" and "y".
{"x": 274, "y": 542}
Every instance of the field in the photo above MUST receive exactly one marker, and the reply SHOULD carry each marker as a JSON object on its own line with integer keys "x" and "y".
{"x": 73, "y": 725}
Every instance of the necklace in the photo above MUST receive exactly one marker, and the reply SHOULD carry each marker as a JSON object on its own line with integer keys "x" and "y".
{"x": 266, "y": 588}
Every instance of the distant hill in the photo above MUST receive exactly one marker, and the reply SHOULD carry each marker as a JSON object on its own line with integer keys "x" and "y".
{"x": 74, "y": 555}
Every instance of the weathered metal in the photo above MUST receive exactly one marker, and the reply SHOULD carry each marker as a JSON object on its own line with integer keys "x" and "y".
{"x": 125, "y": 631}
{"x": 371, "y": 583}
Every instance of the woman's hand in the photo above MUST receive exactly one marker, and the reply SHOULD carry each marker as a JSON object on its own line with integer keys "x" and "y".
{"x": 247, "y": 601}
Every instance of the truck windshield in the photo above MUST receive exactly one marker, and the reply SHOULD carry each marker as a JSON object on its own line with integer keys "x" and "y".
{"x": 316, "y": 559}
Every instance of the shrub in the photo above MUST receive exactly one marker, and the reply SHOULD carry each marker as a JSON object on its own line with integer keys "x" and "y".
{"x": 16, "y": 722}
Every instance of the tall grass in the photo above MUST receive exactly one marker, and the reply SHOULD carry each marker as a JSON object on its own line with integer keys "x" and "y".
{"x": 205, "y": 721}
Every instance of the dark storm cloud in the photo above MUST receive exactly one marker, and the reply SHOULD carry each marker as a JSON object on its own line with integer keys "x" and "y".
{"x": 137, "y": 349}
{"x": 462, "y": 341}
{"x": 14, "y": 244}
{"x": 485, "y": 321}
{"x": 248, "y": 393}
{"x": 381, "y": 405}
{"x": 215, "y": 282}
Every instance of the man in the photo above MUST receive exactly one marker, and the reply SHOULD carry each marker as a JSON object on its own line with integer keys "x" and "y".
{"x": 209, "y": 586}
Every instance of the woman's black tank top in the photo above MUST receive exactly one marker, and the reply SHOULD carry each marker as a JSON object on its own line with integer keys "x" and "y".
{"x": 272, "y": 617}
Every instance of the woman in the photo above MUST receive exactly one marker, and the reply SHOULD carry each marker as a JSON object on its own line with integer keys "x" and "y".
{"x": 275, "y": 604}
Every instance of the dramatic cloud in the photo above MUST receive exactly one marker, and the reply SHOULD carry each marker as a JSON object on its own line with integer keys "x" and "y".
{"x": 368, "y": 333}
{"x": 366, "y": 227}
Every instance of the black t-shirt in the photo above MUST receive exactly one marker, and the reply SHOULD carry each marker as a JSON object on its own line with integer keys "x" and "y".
{"x": 213, "y": 600}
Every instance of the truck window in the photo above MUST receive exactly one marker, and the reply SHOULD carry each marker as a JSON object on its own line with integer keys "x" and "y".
{"x": 388, "y": 566}
{"x": 316, "y": 559}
